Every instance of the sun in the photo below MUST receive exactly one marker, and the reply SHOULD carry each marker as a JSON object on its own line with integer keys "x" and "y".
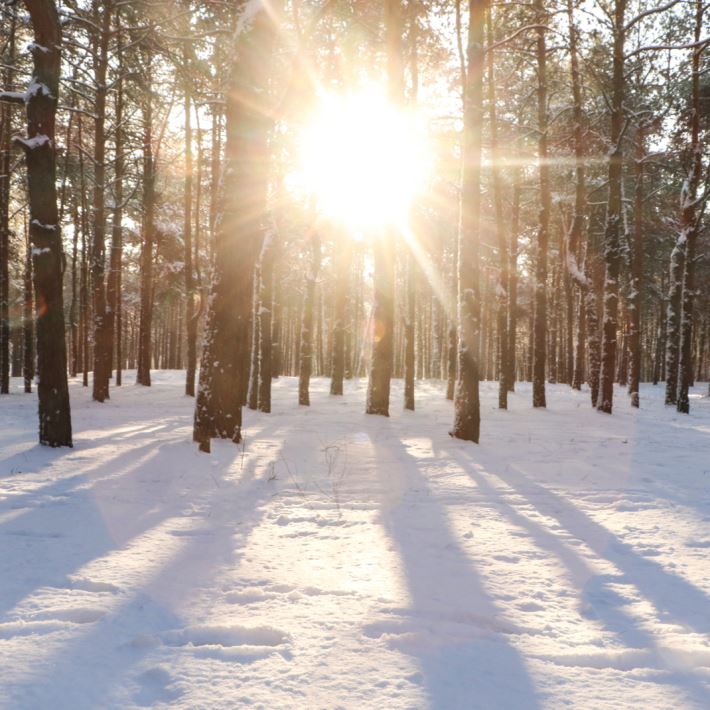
{"x": 363, "y": 160}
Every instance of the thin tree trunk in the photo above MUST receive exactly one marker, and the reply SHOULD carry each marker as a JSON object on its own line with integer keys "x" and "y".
{"x": 502, "y": 284}
{"x": 146, "y": 263}
{"x": 28, "y": 354}
{"x": 513, "y": 282}
{"x": 266, "y": 299}
{"x": 342, "y": 270}
{"x": 113, "y": 286}
{"x": 540, "y": 285}
{"x": 635, "y": 296}
{"x": 306, "y": 352}
{"x": 102, "y": 342}
{"x": 5, "y": 165}
{"x": 190, "y": 315}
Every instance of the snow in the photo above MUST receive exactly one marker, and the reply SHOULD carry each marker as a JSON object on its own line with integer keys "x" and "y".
{"x": 345, "y": 560}
{"x": 35, "y": 142}
{"x": 248, "y": 14}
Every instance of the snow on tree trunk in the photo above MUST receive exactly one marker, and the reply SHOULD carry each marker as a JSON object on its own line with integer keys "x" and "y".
{"x": 5, "y": 169}
{"x": 224, "y": 368}
{"x": 45, "y": 236}
{"x": 675, "y": 293}
{"x": 102, "y": 333}
{"x": 635, "y": 295}
{"x": 612, "y": 231}
{"x": 689, "y": 226}
{"x": 114, "y": 313}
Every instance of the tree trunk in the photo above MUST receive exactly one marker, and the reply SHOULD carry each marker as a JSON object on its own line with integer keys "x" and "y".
{"x": 306, "y": 353}
{"x": 5, "y": 167}
{"x": 113, "y": 286}
{"x": 102, "y": 342}
{"x": 28, "y": 350}
{"x": 224, "y": 369}
{"x": 612, "y": 232}
{"x": 502, "y": 284}
{"x": 539, "y": 351}
{"x": 689, "y": 226}
{"x": 45, "y": 237}
{"x": 146, "y": 264}
{"x": 342, "y": 269}
{"x": 409, "y": 335}
{"x": 190, "y": 315}
{"x": 513, "y": 282}
{"x": 382, "y": 358}
{"x": 635, "y": 296}
{"x": 467, "y": 408}
{"x": 266, "y": 304}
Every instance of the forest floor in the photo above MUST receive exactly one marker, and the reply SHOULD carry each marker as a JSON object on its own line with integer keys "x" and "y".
{"x": 345, "y": 560}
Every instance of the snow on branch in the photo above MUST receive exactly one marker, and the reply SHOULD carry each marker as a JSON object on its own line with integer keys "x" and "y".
{"x": 659, "y": 47}
{"x": 32, "y": 143}
{"x": 13, "y": 97}
{"x": 650, "y": 11}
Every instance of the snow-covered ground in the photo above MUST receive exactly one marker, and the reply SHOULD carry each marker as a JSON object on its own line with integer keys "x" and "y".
{"x": 345, "y": 560}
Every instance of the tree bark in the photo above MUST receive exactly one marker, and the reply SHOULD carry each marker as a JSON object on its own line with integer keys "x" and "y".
{"x": 102, "y": 342}
{"x": 45, "y": 237}
{"x": 689, "y": 226}
{"x": 224, "y": 369}
{"x": 114, "y": 312}
{"x": 342, "y": 267}
{"x": 612, "y": 231}
{"x": 266, "y": 304}
{"x": 5, "y": 165}
{"x": 635, "y": 295}
{"x": 539, "y": 349}
{"x": 306, "y": 351}
{"x": 467, "y": 408}
{"x": 190, "y": 315}
{"x": 145, "y": 327}
{"x": 502, "y": 284}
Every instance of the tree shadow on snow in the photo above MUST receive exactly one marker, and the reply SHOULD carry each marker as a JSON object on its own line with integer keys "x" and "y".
{"x": 601, "y": 602}
{"x": 452, "y": 626}
{"x": 134, "y": 627}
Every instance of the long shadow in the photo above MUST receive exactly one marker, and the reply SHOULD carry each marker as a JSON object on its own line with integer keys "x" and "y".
{"x": 65, "y": 484}
{"x": 43, "y": 544}
{"x": 671, "y": 595}
{"x": 607, "y": 606}
{"x": 461, "y": 645}
{"x": 127, "y": 634}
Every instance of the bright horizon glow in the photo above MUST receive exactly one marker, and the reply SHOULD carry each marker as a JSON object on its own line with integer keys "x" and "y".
{"x": 363, "y": 160}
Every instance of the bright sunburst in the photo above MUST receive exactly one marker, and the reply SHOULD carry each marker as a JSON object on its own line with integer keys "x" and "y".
{"x": 363, "y": 160}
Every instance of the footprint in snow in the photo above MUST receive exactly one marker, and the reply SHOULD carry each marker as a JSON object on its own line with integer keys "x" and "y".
{"x": 156, "y": 685}
{"x": 90, "y": 585}
{"x": 234, "y": 643}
